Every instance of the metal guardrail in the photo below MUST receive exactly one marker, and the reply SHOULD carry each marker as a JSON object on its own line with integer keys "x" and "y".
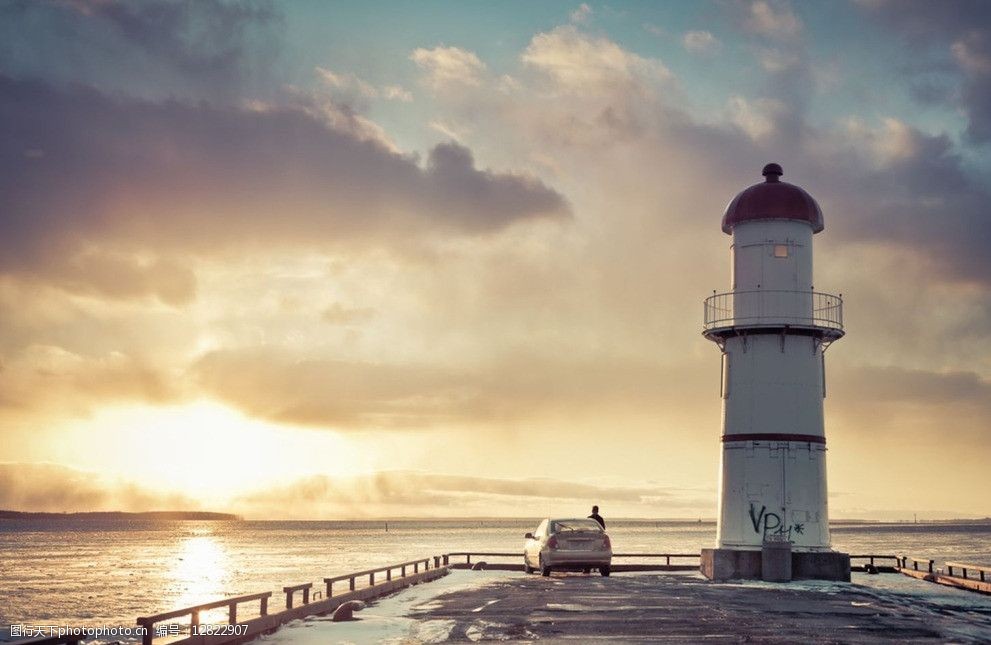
{"x": 906, "y": 562}
{"x": 148, "y": 622}
{"x": 874, "y": 556}
{"x": 982, "y": 571}
{"x": 504, "y": 554}
{"x": 402, "y": 567}
{"x": 767, "y": 307}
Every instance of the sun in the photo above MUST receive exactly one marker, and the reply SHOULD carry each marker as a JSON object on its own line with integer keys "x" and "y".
{"x": 207, "y": 451}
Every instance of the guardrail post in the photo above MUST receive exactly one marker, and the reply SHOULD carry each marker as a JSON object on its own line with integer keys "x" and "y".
{"x": 306, "y": 595}
{"x": 289, "y": 600}
{"x": 468, "y": 558}
{"x": 233, "y": 613}
{"x": 371, "y": 579}
{"x": 930, "y": 566}
{"x": 194, "y": 621}
{"x": 148, "y": 634}
{"x": 351, "y": 582}
{"x": 403, "y": 572}
{"x": 263, "y": 611}
{"x": 447, "y": 559}
{"x": 416, "y": 567}
{"x": 436, "y": 562}
{"x": 388, "y": 574}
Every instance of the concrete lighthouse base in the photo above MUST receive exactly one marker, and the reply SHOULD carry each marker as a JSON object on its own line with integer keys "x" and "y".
{"x": 738, "y": 564}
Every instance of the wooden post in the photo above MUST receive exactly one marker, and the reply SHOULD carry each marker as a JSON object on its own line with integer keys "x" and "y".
{"x": 436, "y": 561}
{"x": 194, "y": 622}
{"x": 447, "y": 559}
{"x": 403, "y": 572}
{"x": 351, "y": 582}
{"x": 289, "y": 600}
{"x": 148, "y": 634}
{"x": 264, "y": 607}
{"x": 306, "y": 595}
{"x": 669, "y": 560}
{"x": 371, "y": 579}
{"x": 388, "y": 574}
{"x": 416, "y": 567}
{"x": 468, "y": 558}
{"x": 330, "y": 589}
{"x": 930, "y": 566}
{"x": 233, "y": 613}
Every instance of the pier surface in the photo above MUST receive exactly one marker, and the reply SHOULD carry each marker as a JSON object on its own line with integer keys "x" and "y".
{"x": 686, "y": 608}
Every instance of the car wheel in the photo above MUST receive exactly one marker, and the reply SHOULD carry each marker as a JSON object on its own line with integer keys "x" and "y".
{"x": 544, "y": 569}
{"x": 604, "y": 571}
{"x": 526, "y": 565}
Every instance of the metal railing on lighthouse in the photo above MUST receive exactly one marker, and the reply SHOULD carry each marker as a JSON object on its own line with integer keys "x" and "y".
{"x": 774, "y": 308}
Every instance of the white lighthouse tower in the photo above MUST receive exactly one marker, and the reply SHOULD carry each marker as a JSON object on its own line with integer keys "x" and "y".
{"x": 773, "y": 328}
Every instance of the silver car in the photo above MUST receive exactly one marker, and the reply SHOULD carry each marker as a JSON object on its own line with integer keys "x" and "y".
{"x": 567, "y": 545}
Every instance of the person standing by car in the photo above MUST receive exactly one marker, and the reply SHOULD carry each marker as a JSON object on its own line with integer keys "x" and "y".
{"x": 598, "y": 518}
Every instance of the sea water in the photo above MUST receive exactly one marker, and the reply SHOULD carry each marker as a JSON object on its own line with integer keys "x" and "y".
{"x": 108, "y": 572}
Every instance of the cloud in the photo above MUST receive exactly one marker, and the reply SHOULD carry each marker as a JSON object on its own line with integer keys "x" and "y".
{"x": 48, "y": 376}
{"x": 351, "y": 85}
{"x": 338, "y": 314}
{"x": 357, "y": 395}
{"x": 413, "y": 493}
{"x": 757, "y": 118}
{"x": 210, "y": 49}
{"x": 54, "y": 488}
{"x": 123, "y": 180}
{"x": 702, "y": 43}
{"x": 449, "y": 67}
{"x": 774, "y": 20}
{"x": 576, "y": 60}
{"x": 877, "y": 385}
{"x": 958, "y": 30}
{"x": 582, "y": 14}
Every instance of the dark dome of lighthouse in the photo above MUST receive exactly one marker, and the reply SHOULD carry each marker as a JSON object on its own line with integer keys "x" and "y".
{"x": 773, "y": 199}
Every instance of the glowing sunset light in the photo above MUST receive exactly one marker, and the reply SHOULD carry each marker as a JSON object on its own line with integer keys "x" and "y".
{"x": 291, "y": 260}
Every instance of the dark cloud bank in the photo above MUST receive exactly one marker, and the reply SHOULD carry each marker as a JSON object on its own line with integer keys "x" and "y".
{"x": 91, "y": 177}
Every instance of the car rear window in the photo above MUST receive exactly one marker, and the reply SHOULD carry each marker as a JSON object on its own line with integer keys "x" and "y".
{"x": 559, "y": 526}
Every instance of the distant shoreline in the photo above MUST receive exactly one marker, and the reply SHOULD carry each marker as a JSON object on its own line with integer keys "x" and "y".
{"x": 121, "y": 515}
{"x": 231, "y": 517}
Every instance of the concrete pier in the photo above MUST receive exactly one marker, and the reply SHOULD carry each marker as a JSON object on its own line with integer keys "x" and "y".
{"x": 684, "y": 608}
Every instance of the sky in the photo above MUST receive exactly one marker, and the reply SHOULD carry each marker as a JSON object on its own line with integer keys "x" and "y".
{"x": 345, "y": 260}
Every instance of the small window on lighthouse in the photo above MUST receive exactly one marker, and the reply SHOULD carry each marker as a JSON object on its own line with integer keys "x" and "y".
{"x": 780, "y": 250}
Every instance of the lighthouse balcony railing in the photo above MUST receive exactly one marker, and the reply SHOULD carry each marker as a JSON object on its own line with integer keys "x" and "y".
{"x": 773, "y": 307}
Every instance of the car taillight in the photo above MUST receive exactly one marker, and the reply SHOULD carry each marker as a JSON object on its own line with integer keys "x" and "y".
{"x": 552, "y": 543}
{"x": 605, "y": 542}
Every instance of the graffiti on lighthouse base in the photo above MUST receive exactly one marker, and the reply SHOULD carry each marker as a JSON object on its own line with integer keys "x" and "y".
{"x": 767, "y": 523}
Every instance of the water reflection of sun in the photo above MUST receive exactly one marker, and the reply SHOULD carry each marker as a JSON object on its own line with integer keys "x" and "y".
{"x": 199, "y": 570}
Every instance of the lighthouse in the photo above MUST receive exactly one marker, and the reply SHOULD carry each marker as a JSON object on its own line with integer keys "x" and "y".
{"x": 773, "y": 329}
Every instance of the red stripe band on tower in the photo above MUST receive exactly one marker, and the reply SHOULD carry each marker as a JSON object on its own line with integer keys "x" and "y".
{"x": 773, "y": 436}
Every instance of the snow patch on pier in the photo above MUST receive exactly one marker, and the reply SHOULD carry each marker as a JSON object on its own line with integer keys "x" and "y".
{"x": 387, "y": 620}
